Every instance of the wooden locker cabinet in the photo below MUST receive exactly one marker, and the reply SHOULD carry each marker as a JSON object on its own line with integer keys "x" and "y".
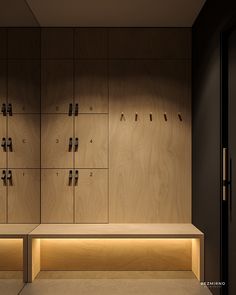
{"x": 92, "y": 133}
{"x": 3, "y": 136}
{"x": 91, "y": 196}
{"x": 3, "y": 197}
{"x": 91, "y": 86}
{"x": 57, "y": 205}
{"x": 24, "y": 86}
{"x": 56, "y": 131}
{"x": 3, "y": 83}
{"x": 24, "y": 131}
{"x": 57, "y": 86}
{"x": 24, "y": 196}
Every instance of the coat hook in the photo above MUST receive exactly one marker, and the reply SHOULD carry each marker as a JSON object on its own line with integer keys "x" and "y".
{"x": 136, "y": 116}
{"x": 122, "y": 117}
{"x": 180, "y": 117}
{"x": 150, "y": 116}
{"x": 165, "y": 116}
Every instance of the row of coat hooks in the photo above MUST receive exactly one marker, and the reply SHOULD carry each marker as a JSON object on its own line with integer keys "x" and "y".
{"x": 122, "y": 117}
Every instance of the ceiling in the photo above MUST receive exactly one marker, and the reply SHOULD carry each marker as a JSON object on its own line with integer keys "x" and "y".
{"x": 102, "y": 13}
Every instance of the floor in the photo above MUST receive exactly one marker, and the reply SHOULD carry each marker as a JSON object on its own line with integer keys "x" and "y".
{"x": 103, "y": 283}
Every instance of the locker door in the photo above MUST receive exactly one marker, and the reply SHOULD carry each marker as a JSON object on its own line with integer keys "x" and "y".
{"x": 91, "y": 86}
{"x": 3, "y": 83}
{"x": 24, "y": 196}
{"x": 56, "y": 131}
{"x": 3, "y": 196}
{"x": 91, "y": 196}
{"x": 24, "y": 86}
{"x": 3, "y": 134}
{"x": 57, "y": 86}
{"x": 24, "y": 134}
{"x": 92, "y": 134}
{"x": 57, "y": 196}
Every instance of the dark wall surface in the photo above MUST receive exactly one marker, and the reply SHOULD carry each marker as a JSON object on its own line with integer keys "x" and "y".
{"x": 206, "y": 93}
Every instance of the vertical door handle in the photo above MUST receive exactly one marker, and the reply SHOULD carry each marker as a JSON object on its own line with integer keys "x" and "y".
{"x": 4, "y": 109}
{"x": 76, "y": 144}
{"x": 70, "y": 143}
{"x": 70, "y": 176}
{"x": 4, "y": 144}
{"x": 76, "y": 176}
{"x": 4, "y": 177}
{"x": 9, "y": 144}
{"x": 70, "y": 109}
{"x": 9, "y": 109}
{"x": 76, "y": 109}
{"x": 9, "y": 177}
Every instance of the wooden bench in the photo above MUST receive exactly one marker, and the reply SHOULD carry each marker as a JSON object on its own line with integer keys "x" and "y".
{"x": 14, "y": 247}
{"x": 116, "y": 247}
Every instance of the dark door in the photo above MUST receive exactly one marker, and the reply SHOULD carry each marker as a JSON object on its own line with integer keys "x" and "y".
{"x": 232, "y": 162}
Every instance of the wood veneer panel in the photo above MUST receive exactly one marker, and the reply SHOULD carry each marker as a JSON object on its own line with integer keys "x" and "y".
{"x": 91, "y": 43}
{"x": 24, "y": 196}
{"x": 24, "y": 43}
{"x": 3, "y": 201}
{"x": 92, "y": 133}
{"x": 91, "y": 86}
{"x": 24, "y": 130}
{"x": 57, "y": 43}
{"x": 56, "y": 196}
{"x": 91, "y": 196}
{"x": 162, "y": 43}
{"x": 3, "y": 43}
{"x": 24, "y": 86}
{"x": 11, "y": 251}
{"x": 3, "y": 134}
{"x": 150, "y": 161}
{"x": 3, "y": 82}
{"x": 57, "y": 86}
{"x": 56, "y": 129}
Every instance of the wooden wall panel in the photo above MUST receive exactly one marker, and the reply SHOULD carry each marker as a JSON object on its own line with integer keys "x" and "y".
{"x": 11, "y": 251}
{"x": 56, "y": 131}
{"x": 57, "y": 43}
{"x": 91, "y": 86}
{"x": 3, "y": 135}
{"x": 3, "y": 201}
{"x": 57, "y": 86}
{"x": 116, "y": 254}
{"x": 24, "y": 196}
{"x": 91, "y": 43}
{"x": 3, "y": 82}
{"x": 150, "y": 161}
{"x": 24, "y": 43}
{"x": 92, "y": 133}
{"x": 24, "y": 130}
{"x": 24, "y": 86}
{"x": 91, "y": 196}
{"x": 56, "y": 196}
{"x": 160, "y": 43}
{"x": 3, "y": 43}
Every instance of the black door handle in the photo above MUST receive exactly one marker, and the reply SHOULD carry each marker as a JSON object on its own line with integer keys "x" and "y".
{"x": 4, "y": 176}
{"x": 76, "y": 109}
{"x": 70, "y": 143}
{"x": 9, "y": 177}
{"x": 70, "y": 176}
{"x": 9, "y": 109}
{"x": 9, "y": 144}
{"x": 4, "y": 109}
{"x": 70, "y": 109}
{"x": 76, "y": 176}
{"x": 4, "y": 144}
{"x": 76, "y": 144}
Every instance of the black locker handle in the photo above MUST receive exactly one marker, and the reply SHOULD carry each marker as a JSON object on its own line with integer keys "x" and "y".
{"x": 70, "y": 143}
{"x": 76, "y": 144}
{"x": 9, "y": 109}
{"x": 70, "y": 176}
{"x": 9, "y": 175}
{"x": 76, "y": 109}
{"x": 4, "y": 144}
{"x": 9, "y": 144}
{"x": 76, "y": 176}
{"x": 4, "y": 109}
{"x": 4, "y": 176}
{"x": 70, "y": 109}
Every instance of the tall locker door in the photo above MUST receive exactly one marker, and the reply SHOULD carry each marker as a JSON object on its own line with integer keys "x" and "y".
{"x": 57, "y": 196}
{"x": 23, "y": 141}
{"x": 91, "y": 196}
{"x": 91, "y": 132}
{"x": 56, "y": 141}
{"x": 3, "y": 85}
{"x": 3, "y": 136}
{"x": 23, "y": 195}
{"x": 3, "y": 196}
{"x": 57, "y": 86}
{"x": 91, "y": 86}
{"x": 24, "y": 86}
